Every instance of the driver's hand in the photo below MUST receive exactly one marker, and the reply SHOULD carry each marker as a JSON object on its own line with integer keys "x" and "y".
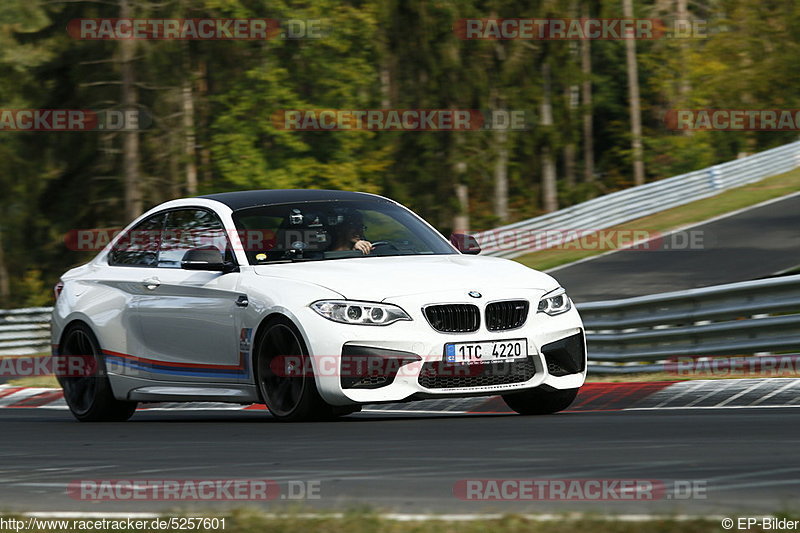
{"x": 365, "y": 247}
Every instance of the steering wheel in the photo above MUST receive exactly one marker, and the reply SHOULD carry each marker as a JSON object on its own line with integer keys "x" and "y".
{"x": 384, "y": 243}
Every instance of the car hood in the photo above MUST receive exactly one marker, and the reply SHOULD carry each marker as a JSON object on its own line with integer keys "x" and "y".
{"x": 379, "y": 278}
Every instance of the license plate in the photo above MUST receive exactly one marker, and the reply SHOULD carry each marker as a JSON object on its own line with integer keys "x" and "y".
{"x": 485, "y": 352}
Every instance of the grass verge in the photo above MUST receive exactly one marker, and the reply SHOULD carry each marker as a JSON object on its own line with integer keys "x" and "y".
{"x": 49, "y": 382}
{"x": 677, "y": 217}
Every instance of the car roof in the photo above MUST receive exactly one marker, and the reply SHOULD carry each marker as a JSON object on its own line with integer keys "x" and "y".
{"x": 243, "y": 199}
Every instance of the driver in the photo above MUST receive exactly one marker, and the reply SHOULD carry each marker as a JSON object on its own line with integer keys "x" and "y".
{"x": 350, "y": 236}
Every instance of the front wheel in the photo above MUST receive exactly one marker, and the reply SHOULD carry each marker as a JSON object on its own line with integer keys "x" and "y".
{"x": 540, "y": 401}
{"x": 89, "y": 397}
{"x": 285, "y": 378}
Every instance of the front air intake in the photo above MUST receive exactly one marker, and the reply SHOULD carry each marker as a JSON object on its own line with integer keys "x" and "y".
{"x": 510, "y": 314}
{"x": 453, "y": 318}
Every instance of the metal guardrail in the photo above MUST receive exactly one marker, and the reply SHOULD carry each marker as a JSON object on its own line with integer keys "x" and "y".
{"x": 623, "y": 336}
{"x": 738, "y": 319}
{"x": 616, "y": 208}
{"x": 25, "y": 331}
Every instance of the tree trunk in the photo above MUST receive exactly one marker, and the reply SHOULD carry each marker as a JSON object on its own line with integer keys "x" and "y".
{"x": 500, "y": 151}
{"x": 461, "y": 220}
{"x": 635, "y": 102}
{"x": 684, "y": 87}
{"x": 201, "y": 90}
{"x": 572, "y": 99}
{"x": 175, "y": 175}
{"x": 586, "y": 97}
{"x": 571, "y": 96}
{"x": 501, "y": 174}
{"x": 130, "y": 139}
{"x": 5, "y": 286}
{"x": 189, "y": 137}
{"x": 549, "y": 191}
{"x": 569, "y": 164}
{"x": 683, "y": 84}
{"x": 386, "y": 85}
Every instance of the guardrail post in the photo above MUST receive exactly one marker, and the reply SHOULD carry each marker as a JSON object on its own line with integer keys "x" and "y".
{"x": 713, "y": 178}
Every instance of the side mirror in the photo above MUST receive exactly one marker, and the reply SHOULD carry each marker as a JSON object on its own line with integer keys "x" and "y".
{"x": 466, "y": 244}
{"x": 206, "y": 258}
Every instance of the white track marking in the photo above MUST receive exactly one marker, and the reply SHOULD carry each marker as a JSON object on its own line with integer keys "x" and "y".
{"x": 406, "y": 412}
{"x": 792, "y": 383}
{"x": 755, "y": 484}
{"x": 711, "y": 407}
{"x": 235, "y": 408}
{"x": 682, "y": 393}
{"x": 712, "y": 393}
{"x": 20, "y": 395}
{"x": 751, "y": 474}
{"x": 672, "y": 392}
{"x": 741, "y": 393}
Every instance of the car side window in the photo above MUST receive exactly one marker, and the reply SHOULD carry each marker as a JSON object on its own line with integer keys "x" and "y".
{"x": 191, "y": 228}
{"x": 139, "y": 245}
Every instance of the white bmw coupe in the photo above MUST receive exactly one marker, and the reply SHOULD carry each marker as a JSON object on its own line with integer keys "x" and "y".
{"x": 314, "y": 302}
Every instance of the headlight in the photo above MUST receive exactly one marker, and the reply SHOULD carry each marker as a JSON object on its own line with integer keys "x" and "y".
{"x": 555, "y": 302}
{"x": 365, "y": 313}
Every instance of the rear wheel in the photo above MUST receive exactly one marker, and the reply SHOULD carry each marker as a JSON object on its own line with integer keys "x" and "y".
{"x": 285, "y": 377}
{"x": 89, "y": 396}
{"x": 540, "y": 401}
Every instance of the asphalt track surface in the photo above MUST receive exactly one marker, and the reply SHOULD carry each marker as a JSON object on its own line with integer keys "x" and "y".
{"x": 746, "y": 458}
{"x": 749, "y": 245}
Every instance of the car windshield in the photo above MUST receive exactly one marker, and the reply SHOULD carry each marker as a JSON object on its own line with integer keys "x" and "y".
{"x": 315, "y": 231}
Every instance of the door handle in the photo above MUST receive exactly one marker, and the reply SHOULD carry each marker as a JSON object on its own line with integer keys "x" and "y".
{"x": 151, "y": 284}
{"x": 242, "y": 301}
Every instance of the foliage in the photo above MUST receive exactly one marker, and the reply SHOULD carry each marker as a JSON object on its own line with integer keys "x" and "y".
{"x": 375, "y": 54}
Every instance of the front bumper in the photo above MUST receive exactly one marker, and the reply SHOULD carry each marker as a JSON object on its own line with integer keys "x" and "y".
{"x": 411, "y": 349}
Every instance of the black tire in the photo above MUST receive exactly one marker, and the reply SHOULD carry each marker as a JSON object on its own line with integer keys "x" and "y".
{"x": 90, "y": 398}
{"x": 540, "y": 401}
{"x": 288, "y": 398}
